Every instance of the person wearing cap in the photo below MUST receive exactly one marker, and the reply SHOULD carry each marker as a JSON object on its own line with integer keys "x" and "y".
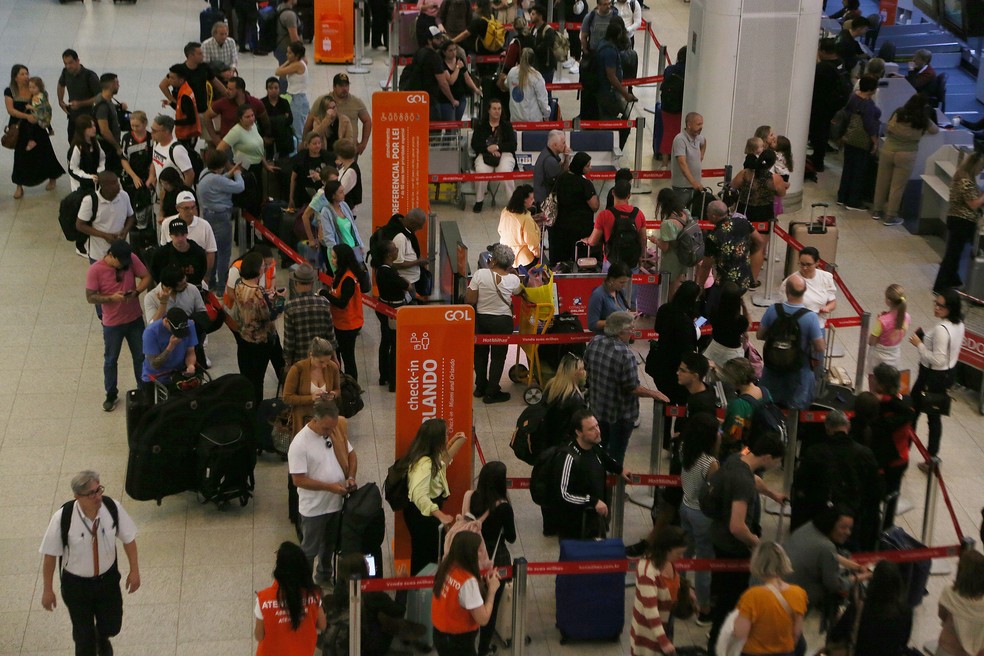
{"x": 174, "y": 291}
{"x": 169, "y": 347}
{"x": 115, "y": 283}
{"x": 306, "y": 316}
{"x": 434, "y": 76}
{"x": 181, "y": 252}
{"x": 352, "y": 107}
{"x": 199, "y": 230}
{"x": 216, "y": 187}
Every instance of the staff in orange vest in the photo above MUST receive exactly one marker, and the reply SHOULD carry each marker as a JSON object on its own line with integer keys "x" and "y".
{"x": 345, "y": 297}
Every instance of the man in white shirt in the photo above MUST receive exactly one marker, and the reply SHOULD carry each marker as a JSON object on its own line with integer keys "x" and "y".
{"x": 322, "y": 465}
{"x": 199, "y": 230}
{"x": 408, "y": 260}
{"x": 114, "y": 216}
{"x": 164, "y": 156}
{"x": 85, "y": 541}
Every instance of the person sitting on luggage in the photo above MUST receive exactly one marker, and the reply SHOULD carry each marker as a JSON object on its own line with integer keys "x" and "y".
{"x": 581, "y": 511}
{"x": 169, "y": 347}
{"x": 323, "y": 466}
{"x": 288, "y": 613}
{"x": 426, "y": 463}
{"x": 463, "y": 597}
{"x": 174, "y": 291}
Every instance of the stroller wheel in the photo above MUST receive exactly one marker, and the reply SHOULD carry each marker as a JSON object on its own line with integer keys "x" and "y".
{"x": 533, "y": 395}
{"x": 518, "y": 373}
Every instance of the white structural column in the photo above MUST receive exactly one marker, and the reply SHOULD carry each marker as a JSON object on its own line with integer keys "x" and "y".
{"x": 751, "y": 63}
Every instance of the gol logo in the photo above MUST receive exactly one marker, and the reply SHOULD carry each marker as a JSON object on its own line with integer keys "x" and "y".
{"x": 456, "y": 315}
{"x": 417, "y": 99}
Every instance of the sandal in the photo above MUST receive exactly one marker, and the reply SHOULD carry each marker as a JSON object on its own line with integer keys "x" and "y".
{"x": 51, "y": 185}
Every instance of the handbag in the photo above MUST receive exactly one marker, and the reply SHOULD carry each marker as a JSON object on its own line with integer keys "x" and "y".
{"x": 282, "y": 431}
{"x": 855, "y": 135}
{"x": 935, "y": 403}
{"x": 11, "y": 134}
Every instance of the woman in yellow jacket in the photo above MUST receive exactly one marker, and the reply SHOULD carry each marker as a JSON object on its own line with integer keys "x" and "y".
{"x": 427, "y": 463}
{"x": 518, "y": 230}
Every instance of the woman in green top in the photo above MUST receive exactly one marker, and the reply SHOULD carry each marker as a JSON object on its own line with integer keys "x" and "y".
{"x": 336, "y": 224}
{"x": 674, "y": 217}
{"x": 898, "y": 155}
{"x": 961, "y": 219}
{"x": 427, "y": 463}
{"x": 246, "y": 144}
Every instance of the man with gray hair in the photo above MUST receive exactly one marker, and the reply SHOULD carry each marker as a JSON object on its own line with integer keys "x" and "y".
{"x": 921, "y": 75}
{"x": 613, "y": 376}
{"x": 550, "y": 163}
{"x": 839, "y": 471}
{"x": 687, "y": 153}
{"x": 322, "y": 465}
{"x": 168, "y": 153}
{"x": 82, "y": 535}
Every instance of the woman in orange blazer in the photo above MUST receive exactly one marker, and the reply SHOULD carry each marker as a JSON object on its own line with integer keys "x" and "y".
{"x": 314, "y": 377}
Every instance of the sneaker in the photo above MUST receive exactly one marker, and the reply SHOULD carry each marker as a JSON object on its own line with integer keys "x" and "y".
{"x": 569, "y": 63}
{"x": 110, "y": 403}
{"x": 877, "y": 216}
{"x": 477, "y": 207}
{"x": 703, "y": 619}
{"x": 854, "y": 209}
{"x": 575, "y": 69}
{"x": 840, "y": 203}
{"x": 81, "y": 252}
{"x": 893, "y": 221}
{"x": 498, "y": 397}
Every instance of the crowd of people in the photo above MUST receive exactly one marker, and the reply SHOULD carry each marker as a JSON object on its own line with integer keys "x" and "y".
{"x": 156, "y": 221}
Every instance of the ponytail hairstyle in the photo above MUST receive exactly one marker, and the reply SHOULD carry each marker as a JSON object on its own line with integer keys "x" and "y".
{"x": 895, "y": 294}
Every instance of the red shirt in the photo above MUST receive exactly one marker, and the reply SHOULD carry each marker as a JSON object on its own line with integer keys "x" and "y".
{"x": 605, "y": 220}
{"x": 228, "y": 112}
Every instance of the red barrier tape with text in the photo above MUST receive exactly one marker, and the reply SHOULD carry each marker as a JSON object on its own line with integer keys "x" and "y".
{"x": 528, "y": 175}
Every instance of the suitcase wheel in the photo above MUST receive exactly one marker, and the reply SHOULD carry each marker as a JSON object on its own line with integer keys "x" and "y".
{"x": 518, "y": 373}
{"x": 533, "y": 395}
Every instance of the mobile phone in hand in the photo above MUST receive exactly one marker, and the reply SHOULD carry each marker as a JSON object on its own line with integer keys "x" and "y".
{"x": 920, "y": 333}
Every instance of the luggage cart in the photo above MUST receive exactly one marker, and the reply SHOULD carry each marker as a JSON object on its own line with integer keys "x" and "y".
{"x": 445, "y": 153}
{"x": 534, "y": 319}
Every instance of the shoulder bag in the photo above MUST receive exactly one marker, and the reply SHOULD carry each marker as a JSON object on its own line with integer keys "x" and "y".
{"x": 11, "y": 134}
{"x": 936, "y": 403}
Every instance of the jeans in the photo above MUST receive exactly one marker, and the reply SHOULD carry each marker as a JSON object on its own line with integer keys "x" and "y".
{"x": 851, "y": 191}
{"x": 319, "y": 538}
{"x": 488, "y": 371}
{"x": 280, "y": 53}
{"x": 698, "y": 528}
{"x": 793, "y": 390}
{"x": 221, "y": 222}
{"x": 346, "y": 350}
{"x": 300, "y": 107}
{"x": 454, "y": 644}
{"x": 96, "y": 608}
{"x": 387, "y": 350}
{"x": 959, "y": 235}
{"x": 615, "y": 437}
{"x": 893, "y": 174}
{"x": 113, "y": 337}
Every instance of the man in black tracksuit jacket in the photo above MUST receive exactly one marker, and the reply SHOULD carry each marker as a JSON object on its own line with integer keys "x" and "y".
{"x": 581, "y": 510}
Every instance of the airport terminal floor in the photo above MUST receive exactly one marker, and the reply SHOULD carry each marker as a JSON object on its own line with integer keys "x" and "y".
{"x": 201, "y": 567}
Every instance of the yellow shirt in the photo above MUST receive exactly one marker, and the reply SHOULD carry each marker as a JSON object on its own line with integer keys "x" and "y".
{"x": 520, "y": 233}
{"x": 772, "y": 626}
{"x": 425, "y": 486}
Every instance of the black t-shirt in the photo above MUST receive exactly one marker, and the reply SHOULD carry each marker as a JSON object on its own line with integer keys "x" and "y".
{"x": 197, "y": 80}
{"x": 192, "y": 262}
{"x": 81, "y": 86}
{"x": 727, "y": 330}
{"x": 304, "y": 166}
{"x": 737, "y": 484}
{"x": 392, "y": 286}
{"x": 430, "y": 65}
{"x": 105, "y": 110}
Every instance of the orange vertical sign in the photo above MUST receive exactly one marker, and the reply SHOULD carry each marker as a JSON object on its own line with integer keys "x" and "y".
{"x": 435, "y": 355}
{"x": 400, "y": 143}
{"x": 334, "y": 38}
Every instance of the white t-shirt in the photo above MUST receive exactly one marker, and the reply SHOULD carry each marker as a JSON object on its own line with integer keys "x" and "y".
{"x": 489, "y": 302}
{"x": 200, "y": 232}
{"x": 820, "y": 290}
{"x": 405, "y": 253}
{"x": 162, "y": 158}
{"x": 79, "y": 560}
{"x": 470, "y": 595}
{"x": 110, "y": 217}
{"x": 308, "y": 455}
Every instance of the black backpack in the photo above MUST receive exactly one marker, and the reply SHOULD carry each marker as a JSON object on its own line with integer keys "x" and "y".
{"x": 623, "y": 243}
{"x": 671, "y": 94}
{"x": 396, "y": 487}
{"x": 783, "y": 350}
{"x": 197, "y": 163}
{"x": 524, "y": 436}
{"x": 226, "y": 459}
{"x": 410, "y": 78}
{"x": 66, "y": 519}
{"x": 545, "y": 478}
{"x": 350, "y": 397}
{"x": 68, "y": 212}
{"x": 767, "y": 417}
{"x": 711, "y": 497}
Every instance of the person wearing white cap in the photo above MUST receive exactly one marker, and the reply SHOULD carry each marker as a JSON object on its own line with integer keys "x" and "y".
{"x": 199, "y": 230}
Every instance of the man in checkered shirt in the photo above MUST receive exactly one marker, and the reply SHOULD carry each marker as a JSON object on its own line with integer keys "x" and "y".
{"x": 306, "y": 316}
{"x": 613, "y": 378}
{"x": 221, "y": 49}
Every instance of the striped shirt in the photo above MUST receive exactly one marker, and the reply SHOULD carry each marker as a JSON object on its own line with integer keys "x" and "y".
{"x": 693, "y": 479}
{"x": 654, "y": 598}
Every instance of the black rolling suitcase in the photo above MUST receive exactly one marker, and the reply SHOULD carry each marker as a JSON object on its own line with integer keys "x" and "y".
{"x": 915, "y": 574}
{"x": 164, "y": 441}
{"x": 207, "y": 19}
{"x": 563, "y": 324}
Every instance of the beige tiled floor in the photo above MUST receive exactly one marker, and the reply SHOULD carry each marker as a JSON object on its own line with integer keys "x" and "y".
{"x": 200, "y": 566}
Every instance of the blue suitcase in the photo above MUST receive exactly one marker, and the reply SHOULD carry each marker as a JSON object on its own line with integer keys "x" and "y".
{"x": 591, "y": 606}
{"x": 915, "y": 574}
{"x": 207, "y": 19}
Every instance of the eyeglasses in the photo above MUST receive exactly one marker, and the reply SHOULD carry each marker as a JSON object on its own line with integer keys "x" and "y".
{"x": 92, "y": 493}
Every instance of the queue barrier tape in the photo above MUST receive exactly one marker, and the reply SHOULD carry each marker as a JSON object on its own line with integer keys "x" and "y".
{"x": 579, "y": 567}
{"x": 528, "y": 175}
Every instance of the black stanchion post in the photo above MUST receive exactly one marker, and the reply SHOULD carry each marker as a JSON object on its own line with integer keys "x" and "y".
{"x": 519, "y": 607}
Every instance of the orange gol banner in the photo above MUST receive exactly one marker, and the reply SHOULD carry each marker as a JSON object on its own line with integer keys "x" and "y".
{"x": 435, "y": 357}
